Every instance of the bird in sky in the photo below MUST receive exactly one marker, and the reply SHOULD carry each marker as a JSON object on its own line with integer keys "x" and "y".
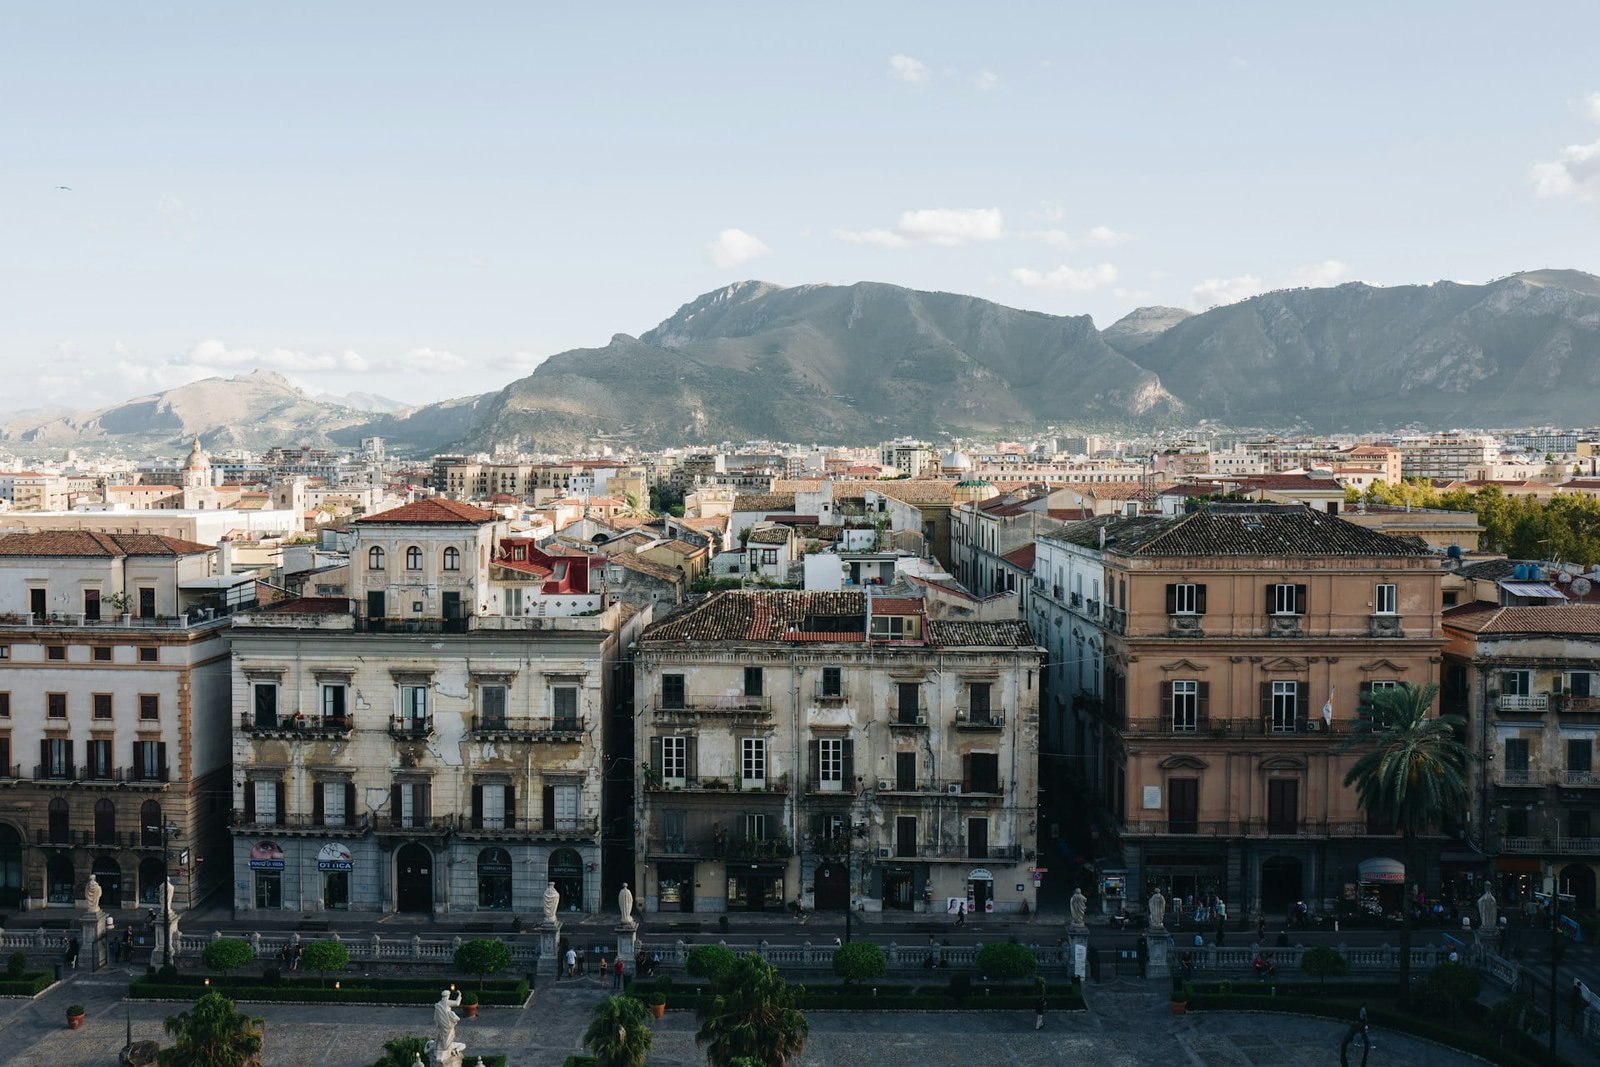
{"x": 68, "y": 188}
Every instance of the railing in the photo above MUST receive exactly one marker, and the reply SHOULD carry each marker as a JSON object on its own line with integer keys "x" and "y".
{"x": 822, "y": 696}
{"x": 79, "y": 621}
{"x": 726, "y": 704}
{"x": 300, "y": 821}
{"x": 1116, "y": 620}
{"x": 1522, "y": 703}
{"x": 1204, "y": 727}
{"x": 1522, "y": 777}
{"x": 1092, "y": 608}
{"x": 1010, "y": 853}
{"x": 1550, "y": 845}
{"x": 1243, "y": 828}
{"x": 407, "y": 728}
{"x": 898, "y": 717}
{"x": 13, "y": 771}
{"x": 109, "y": 776}
{"x": 295, "y": 726}
{"x": 1580, "y": 778}
{"x": 1570, "y": 704}
{"x": 417, "y": 826}
{"x": 526, "y": 829}
{"x": 526, "y": 729}
{"x": 987, "y": 720}
{"x": 713, "y": 846}
{"x": 370, "y": 625}
{"x": 714, "y": 785}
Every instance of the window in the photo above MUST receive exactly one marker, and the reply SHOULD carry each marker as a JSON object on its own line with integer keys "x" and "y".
{"x": 492, "y": 705}
{"x": 905, "y": 771}
{"x": 264, "y": 699}
{"x": 101, "y": 654}
{"x": 333, "y": 803}
{"x": 269, "y": 889}
{"x": 563, "y": 801}
{"x": 56, "y": 756}
{"x": 753, "y": 760}
{"x": 1183, "y": 805}
{"x": 1283, "y": 805}
{"x": 100, "y": 760}
{"x": 1186, "y": 598}
{"x": 1516, "y": 823}
{"x": 494, "y": 879}
{"x": 1385, "y": 599}
{"x": 830, "y": 764}
{"x": 1285, "y": 706}
{"x": 5, "y": 651}
{"x": 91, "y": 605}
{"x": 755, "y": 826}
{"x": 1186, "y": 706}
{"x": 375, "y": 558}
{"x": 977, "y": 838}
{"x": 905, "y": 835}
{"x": 566, "y": 706}
{"x": 414, "y": 704}
{"x": 452, "y": 559}
{"x": 5, "y": 705}
{"x": 982, "y": 772}
{"x": 333, "y": 702}
{"x": 1580, "y": 756}
{"x": 149, "y": 654}
{"x": 60, "y": 825}
{"x": 832, "y": 682}
{"x": 752, "y": 681}
{"x": 55, "y": 652}
{"x": 1516, "y": 683}
{"x": 105, "y": 822}
{"x": 412, "y": 803}
{"x": 890, "y": 626}
{"x": 149, "y": 707}
{"x": 1284, "y": 598}
{"x": 150, "y": 761}
{"x": 672, "y": 691}
{"x": 265, "y": 797}
{"x": 1580, "y": 684}
{"x": 413, "y": 558}
{"x": 1516, "y": 755}
{"x": 674, "y": 760}
{"x": 978, "y": 697}
{"x": 56, "y": 705}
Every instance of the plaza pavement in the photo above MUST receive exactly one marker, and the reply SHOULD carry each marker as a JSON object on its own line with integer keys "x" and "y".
{"x": 1129, "y": 1025}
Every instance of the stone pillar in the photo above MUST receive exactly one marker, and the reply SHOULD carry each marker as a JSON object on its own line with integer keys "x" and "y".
{"x": 1078, "y": 952}
{"x": 91, "y": 933}
{"x": 549, "y": 949}
{"x": 627, "y": 945}
{"x": 1160, "y": 943}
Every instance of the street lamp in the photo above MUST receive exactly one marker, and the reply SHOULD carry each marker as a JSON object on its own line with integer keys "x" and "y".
{"x": 167, "y": 832}
{"x": 1555, "y": 946}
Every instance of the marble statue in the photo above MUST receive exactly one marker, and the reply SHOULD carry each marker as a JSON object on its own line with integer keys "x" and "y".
{"x": 552, "y": 901}
{"x": 91, "y": 894}
{"x": 1079, "y": 906}
{"x": 444, "y": 1049}
{"x": 168, "y": 890}
{"x": 1488, "y": 910}
{"x": 625, "y": 905}
{"x": 1158, "y": 911}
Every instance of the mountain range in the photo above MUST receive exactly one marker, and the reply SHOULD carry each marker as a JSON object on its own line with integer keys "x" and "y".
{"x": 863, "y": 362}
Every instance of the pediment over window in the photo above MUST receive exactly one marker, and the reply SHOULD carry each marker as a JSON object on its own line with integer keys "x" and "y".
{"x": 1190, "y": 762}
{"x": 1286, "y": 664}
{"x": 1185, "y": 665}
{"x": 1387, "y": 666}
{"x": 1283, "y": 763}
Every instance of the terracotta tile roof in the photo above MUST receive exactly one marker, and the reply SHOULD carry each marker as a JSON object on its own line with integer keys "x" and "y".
{"x": 764, "y": 502}
{"x": 1008, "y": 633}
{"x": 1490, "y": 570}
{"x": 629, "y": 561}
{"x": 680, "y": 547}
{"x": 523, "y": 567}
{"x": 309, "y": 605}
{"x": 778, "y": 535}
{"x": 1575, "y": 619}
{"x": 1279, "y": 483}
{"x": 764, "y": 615}
{"x": 1240, "y": 530}
{"x": 912, "y": 490}
{"x": 91, "y": 544}
{"x": 1021, "y": 558}
{"x": 796, "y": 485}
{"x": 897, "y": 605}
{"x": 433, "y": 510}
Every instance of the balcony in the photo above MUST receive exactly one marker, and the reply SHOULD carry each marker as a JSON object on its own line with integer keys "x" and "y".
{"x": 196, "y": 618}
{"x": 967, "y": 854}
{"x": 1551, "y": 846}
{"x": 1185, "y": 626}
{"x": 410, "y": 729}
{"x": 501, "y": 728}
{"x": 366, "y": 624}
{"x": 1284, "y": 626}
{"x": 983, "y": 720}
{"x": 1169, "y": 827}
{"x": 1521, "y": 704}
{"x": 1522, "y": 777}
{"x": 1075, "y": 600}
{"x": 1580, "y": 778}
{"x": 1385, "y": 626}
{"x": 13, "y": 772}
{"x": 1116, "y": 620}
{"x": 820, "y": 695}
{"x": 712, "y": 785}
{"x": 526, "y": 830}
{"x": 910, "y": 718}
{"x": 295, "y": 727}
{"x": 1569, "y": 704}
{"x": 754, "y": 707}
{"x": 98, "y": 775}
{"x": 715, "y": 846}
{"x": 300, "y": 824}
{"x": 1092, "y": 608}
{"x": 415, "y": 826}
{"x": 1215, "y": 729}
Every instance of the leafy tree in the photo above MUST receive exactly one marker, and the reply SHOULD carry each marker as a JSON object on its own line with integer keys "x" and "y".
{"x": 710, "y": 961}
{"x": 325, "y": 956}
{"x": 1006, "y": 962}
{"x": 752, "y": 1014}
{"x": 859, "y": 961}
{"x": 482, "y": 958}
{"x": 1323, "y": 962}
{"x": 1412, "y": 773}
{"x": 228, "y": 954}
{"x": 619, "y": 1032}
{"x": 402, "y": 1052}
{"x": 1456, "y": 982}
{"x": 213, "y": 1034}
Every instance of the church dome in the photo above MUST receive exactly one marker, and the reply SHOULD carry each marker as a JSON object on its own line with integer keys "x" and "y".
{"x": 973, "y": 490}
{"x": 955, "y": 460}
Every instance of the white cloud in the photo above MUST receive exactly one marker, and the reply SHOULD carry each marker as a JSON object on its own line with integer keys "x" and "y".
{"x": 1095, "y": 237}
{"x": 518, "y": 362}
{"x": 733, "y": 247}
{"x": 215, "y": 354}
{"x": 935, "y": 226}
{"x": 1594, "y": 106}
{"x": 986, "y": 81}
{"x": 907, "y": 69}
{"x": 1318, "y": 275}
{"x": 1067, "y": 279}
{"x": 1576, "y": 174}
{"x": 1238, "y": 63}
{"x": 1214, "y": 291}
{"x": 1106, "y": 237}
{"x": 431, "y": 361}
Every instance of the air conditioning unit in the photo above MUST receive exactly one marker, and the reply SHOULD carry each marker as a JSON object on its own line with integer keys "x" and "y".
{"x": 922, "y": 720}
{"x": 953, "y": 789}
{"x": 961, "y": 715}
{"x": 883, "y": 853}
{"x": 885, "y": 784}
{"x": 1312, "y": 726}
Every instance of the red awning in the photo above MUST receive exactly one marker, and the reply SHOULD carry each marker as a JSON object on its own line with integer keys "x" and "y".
{"x": 1519, "y": 864}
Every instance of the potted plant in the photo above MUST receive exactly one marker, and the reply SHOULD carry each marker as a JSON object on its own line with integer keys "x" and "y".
{"x": 658, "y": 1004}
{"x": 469, "y": 1005}
{"x": 1180, "y": 1001}
{"x": 75, "y": 1016}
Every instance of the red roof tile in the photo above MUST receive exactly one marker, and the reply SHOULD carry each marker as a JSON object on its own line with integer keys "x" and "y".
{"x": 433, "y": 510}
{"x": 1021, "y": 558}
{"x": 92, "y": 544}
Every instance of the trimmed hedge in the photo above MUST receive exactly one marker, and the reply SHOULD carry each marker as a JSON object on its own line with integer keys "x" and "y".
{"x": 501, "y": 993}
{"x": 31, "y": 984}
{"x": 888, "y": 997}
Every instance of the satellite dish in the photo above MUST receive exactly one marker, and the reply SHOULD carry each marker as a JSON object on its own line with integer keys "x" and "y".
{"x": 1580, "y": 587}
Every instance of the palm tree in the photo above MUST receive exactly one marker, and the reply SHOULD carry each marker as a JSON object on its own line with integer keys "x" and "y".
{"x": 752, "y": 1015}
{"x": 619, "y": 1032}
{"x": 212, "y": 1034}
{"x": 1412, "y": 774}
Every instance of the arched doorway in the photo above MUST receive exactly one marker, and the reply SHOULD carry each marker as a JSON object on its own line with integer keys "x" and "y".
{"x": 566, "y": 871}
{"x": 10, "y": 867}
{"x": 58, "y": 879}
{"x": 413, "y": 883}
{"x": 1281, "y": 884}
{"x": 1578, "y": 879}
{"x": 152, "y": 872}
{"x": 832, "y": 887}
{"x": 494, "y": 879}
{"x": 108, "y": 872}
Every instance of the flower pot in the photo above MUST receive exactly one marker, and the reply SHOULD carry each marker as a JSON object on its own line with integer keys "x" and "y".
{"x": 75, "y": 1022}
{"x": 1179, "y": 1006}
{"x": 658, "y": 1010}
{"x": 469, "y": 1011}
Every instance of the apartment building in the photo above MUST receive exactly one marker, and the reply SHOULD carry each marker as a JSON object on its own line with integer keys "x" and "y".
{"x": 113, "y": 719}
{"x": 437, "y": 746}
{"x": 836, "y": 748}
{"x": 1448, "y": 455}
{"x": 1236, "y": 642}
{"x": 1527, "y": 679}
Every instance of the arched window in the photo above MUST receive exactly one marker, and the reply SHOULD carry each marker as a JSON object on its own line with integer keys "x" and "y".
{"x": 150, "y": 831}
{"x": 452, "y": 559}
{"x": 413, "y": 558}
{"x": 375, "y": 558}
{"x": 105, "y": 822}
{"x": 59, "y": 822}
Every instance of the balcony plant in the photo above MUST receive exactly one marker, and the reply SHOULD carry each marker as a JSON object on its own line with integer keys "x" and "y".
{"x": 658, "y": 1004}
{"x": 469, "y": 1005}
{"x": 119, "y": 602}
{"x": 1180, "y": 1001}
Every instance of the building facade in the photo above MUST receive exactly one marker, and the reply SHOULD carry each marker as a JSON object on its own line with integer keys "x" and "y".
{"x": 836, "y": 749}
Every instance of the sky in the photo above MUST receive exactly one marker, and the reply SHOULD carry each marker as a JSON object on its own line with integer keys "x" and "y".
{"x": 424, "y": 200}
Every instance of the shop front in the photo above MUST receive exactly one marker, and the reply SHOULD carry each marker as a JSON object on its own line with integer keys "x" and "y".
{"x": 756, "y": 887}
{"x": 1381, "y": 884}
{"x": 266, "y": 873}
{"x": 675, "y": 887}
{"x": 1178, "y": 874}
{"x": 333, "y": 867}
{"x": 903, "y": 886}
{"x": 980, "y": 891}
{"x": 1517, "y": 878}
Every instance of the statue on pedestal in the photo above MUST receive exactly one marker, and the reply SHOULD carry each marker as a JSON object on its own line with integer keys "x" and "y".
{"x": 444, "y": 1050}
{"x": 625, "y": 906}
{"x": 552, "y": 902}
{"x": 1079, "y": 906}
{"x": 1488, "y": 910}
{"x": 91, "y": 896}
{"x": 1158, "y": 911}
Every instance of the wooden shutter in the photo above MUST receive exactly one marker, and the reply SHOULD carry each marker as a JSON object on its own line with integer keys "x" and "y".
{"x": 1266, "y": 704}
{"x": 655, "y": 756}
{"x": 161, "y": 757}
{"x": 249, "y": 801}
{"x": 1199, "y": 600}
{"x": 1166, "y": 706}
{"x": 549, "y": 808}
{"x": 278, "y": 820}
{"x": 511, "y": 806}
{"x": 1172, "y": 598}
{"x": 691, "y": 750}
{"x": 477, "y": 807}
{"x": 396, "y": 806}
{"x": 849, "y": 766}
{"x": 814, "y": 756}
{"x": 316, "y": 804}
{"x": 1202, "y": 702}
{"x": 1299, "y": 600}
{"x": 966, "y": 773}
{"x": 1272, "y": 596}
{"x": 72, "y": 763}
{"x": 350, "y": 804}
{"x": 138, "y": 758}
{"x": 44, "y": 754}
{"x": 422, "y": 802}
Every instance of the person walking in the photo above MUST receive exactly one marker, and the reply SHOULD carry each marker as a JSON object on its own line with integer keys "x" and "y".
{"x": 961, "y": 914}
{"x": 74, "y": 946}
{"x": 1038, "y": 1012}
{"x": 616, "y": 975}
{"x": 572, "y": 962}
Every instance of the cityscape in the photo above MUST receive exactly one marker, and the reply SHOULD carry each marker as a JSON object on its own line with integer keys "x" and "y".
{"x": 1066, "y": 617}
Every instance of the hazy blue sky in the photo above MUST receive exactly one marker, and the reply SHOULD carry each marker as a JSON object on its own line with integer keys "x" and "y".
{"x": 424, "y": 200}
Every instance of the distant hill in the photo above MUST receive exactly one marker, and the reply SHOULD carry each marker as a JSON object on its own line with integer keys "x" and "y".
{"x": 1141, "y": 326}
{"x": 359, "y": 401}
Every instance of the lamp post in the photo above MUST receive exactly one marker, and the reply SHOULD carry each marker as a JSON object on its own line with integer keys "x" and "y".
{"x": 167, "y": 831}
{"x": 1555, "y": 913}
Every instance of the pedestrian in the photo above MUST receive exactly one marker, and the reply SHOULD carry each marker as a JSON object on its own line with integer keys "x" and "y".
{"x": 1261, "y": 929}
{"x": 1038, "y": 1012}
{"x": 605, "y": 968}
{"x": 616, "y": 975}
{"x": 127, "y": 945}
{"x": 74, "y": 946}
{"x": 294, "y": 964}
{"x": 572, "y": 962}
{"x": 961, "y": 914}
{"x": 1366, "y": 1031}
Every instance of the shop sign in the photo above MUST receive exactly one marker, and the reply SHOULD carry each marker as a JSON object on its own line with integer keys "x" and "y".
{"x": 334, "y": 857}
{"x": 266, "y": 856}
